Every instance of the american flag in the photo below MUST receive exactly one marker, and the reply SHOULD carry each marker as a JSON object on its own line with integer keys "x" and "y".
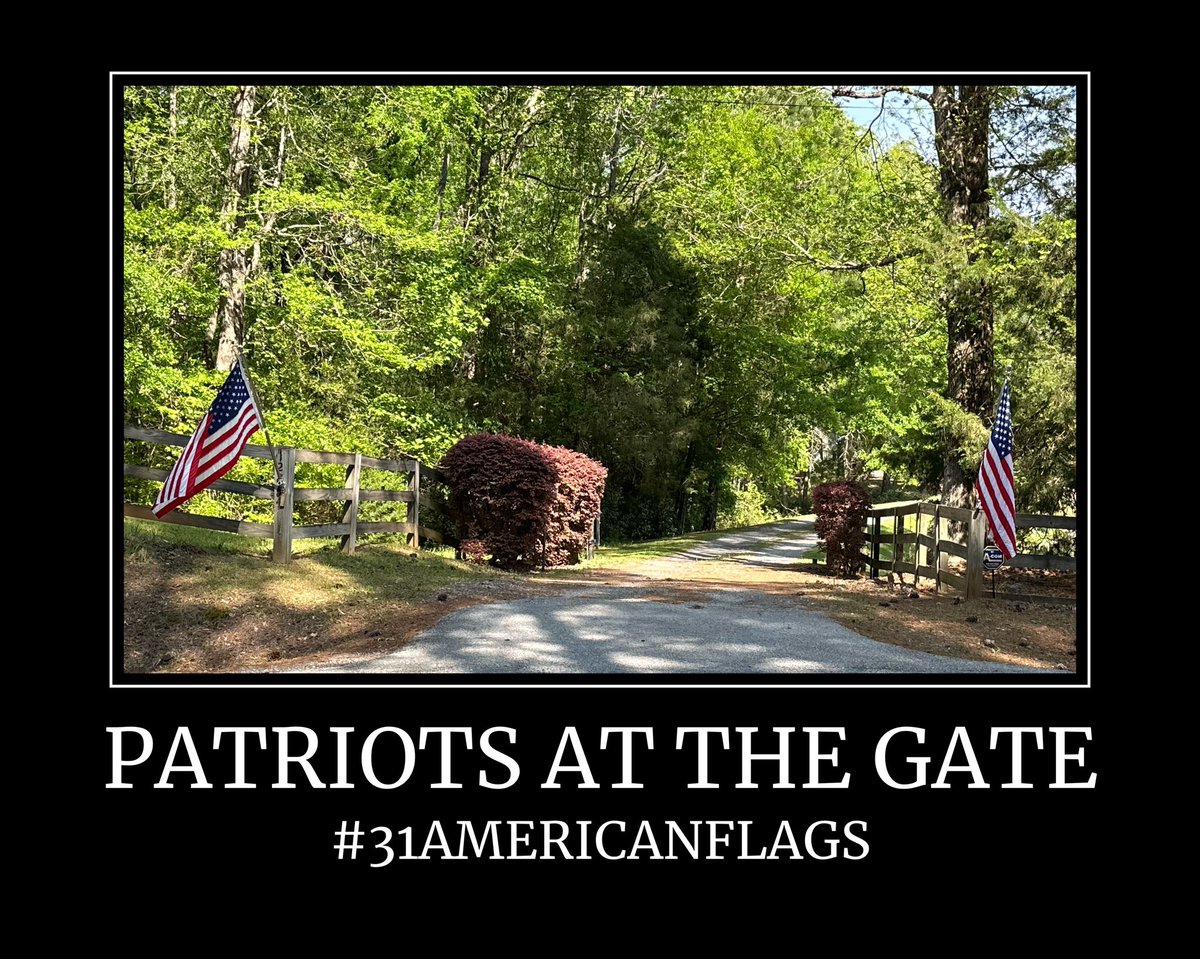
{"x": 215, "y": 446}
{"x": 995, "y": 483}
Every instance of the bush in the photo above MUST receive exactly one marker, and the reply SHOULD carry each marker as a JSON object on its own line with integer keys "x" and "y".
{"x": 576, "y": 505}
{"x": 841, "y": 509}
{"x": 523, "y": 503}
{"x": 743, "y": 504}
{"x": 501, "y": 492}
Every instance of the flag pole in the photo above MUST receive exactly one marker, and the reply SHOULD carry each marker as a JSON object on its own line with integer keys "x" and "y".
{"x": 258, "y": 413}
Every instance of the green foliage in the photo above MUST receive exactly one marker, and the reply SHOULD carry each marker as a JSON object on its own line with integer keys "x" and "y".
{"x": 746, "y": 505}
{"x": 659, "y": 277}
{"x": 1036, "y": 333}
{"x": 962, "y": 433}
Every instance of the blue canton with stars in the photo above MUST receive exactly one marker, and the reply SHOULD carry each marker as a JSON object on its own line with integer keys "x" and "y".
{"x": 1002, "y": 437}
{"x": 229, "y": 401}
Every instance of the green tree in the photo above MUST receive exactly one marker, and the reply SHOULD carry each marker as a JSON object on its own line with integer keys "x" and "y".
{"x": 687, "y": 283}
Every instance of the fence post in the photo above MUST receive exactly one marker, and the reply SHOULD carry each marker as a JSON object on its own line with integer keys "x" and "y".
{"x": 281, "y": 551}
{"x": 876, "y": 535}
{"x": 917, "y": 550}
{"x": 975, "y": 541}
{"x": 414, "y": 508}
{"x": 350, "y": 515}
{"x": 937, "y": 548}
{"x": 897, "y": 549}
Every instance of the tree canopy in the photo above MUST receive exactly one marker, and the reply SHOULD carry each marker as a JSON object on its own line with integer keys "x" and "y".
{"x": 700, "y": 287}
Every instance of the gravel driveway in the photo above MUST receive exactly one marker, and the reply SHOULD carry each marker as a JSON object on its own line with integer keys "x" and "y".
{"x": 619, "y": 629}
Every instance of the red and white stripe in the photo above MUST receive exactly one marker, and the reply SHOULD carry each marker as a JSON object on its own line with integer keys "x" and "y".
{"x": 221, "y": 450}
{"x": 996, "y": 497}
{"x": 183, "y": 474}
{"x": 206, "y": 458}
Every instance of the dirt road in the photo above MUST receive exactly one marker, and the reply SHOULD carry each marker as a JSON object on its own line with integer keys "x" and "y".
{"x": 692, "y": 612}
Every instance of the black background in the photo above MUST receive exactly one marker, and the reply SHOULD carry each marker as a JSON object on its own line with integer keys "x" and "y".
{"x": 267, "y": 843}
{"x": 276, "y": 836}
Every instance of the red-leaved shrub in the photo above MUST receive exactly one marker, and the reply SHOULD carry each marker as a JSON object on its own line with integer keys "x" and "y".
{"x": 580, "y": 490}
{"x": 524, "y": 503}
{"x": 501, "y": 492}
{"x": 841, "y": 509}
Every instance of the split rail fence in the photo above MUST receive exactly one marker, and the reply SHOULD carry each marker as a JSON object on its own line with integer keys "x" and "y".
{"x": 283, "y": 531}
{"x": 940, "y": 546}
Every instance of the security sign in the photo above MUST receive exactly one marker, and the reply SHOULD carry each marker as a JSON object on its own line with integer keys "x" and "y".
{"x": 993, "y": 558}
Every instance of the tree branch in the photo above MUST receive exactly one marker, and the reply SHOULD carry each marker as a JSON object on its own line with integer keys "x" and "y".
{"x": 553, "y": 186}
{"x": 871, "y": 94}
{"x": 853, "y": 266}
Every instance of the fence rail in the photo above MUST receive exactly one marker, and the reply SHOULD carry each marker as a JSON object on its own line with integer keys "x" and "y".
{"x": 283, "y": 530}
{"x": 941, "y": 545}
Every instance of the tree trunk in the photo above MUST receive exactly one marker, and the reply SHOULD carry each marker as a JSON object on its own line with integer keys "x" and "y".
{"x": 961, "y": 125}
{"x": 225, "y": 326}
{"x": 712, "y": 501}
{"x": 610, "y": 161}
{"x": 681, "y": 496}
{"x": 475, "y": 191}
{"x": 441, "y": 188}
{"x": 600, "y": 200}
{"x": 170, "y": 190}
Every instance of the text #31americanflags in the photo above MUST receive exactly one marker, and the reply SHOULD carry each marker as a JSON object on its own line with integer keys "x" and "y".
{"x": 215, "y": 446}
{"x": 995, "y": 483}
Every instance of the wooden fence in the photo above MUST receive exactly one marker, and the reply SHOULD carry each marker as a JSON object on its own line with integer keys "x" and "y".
{"x": 283, "y": 530}
{"x": 940, "y": 546}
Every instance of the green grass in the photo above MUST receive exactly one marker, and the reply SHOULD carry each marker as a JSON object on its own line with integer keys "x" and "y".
{"x": 215, "y": 563}
{"x": 375, "y": 563}
{"x": 622, "y": 554}
{"x": 146, "y": 536}
{"x": 203, "y": 601}
{"x": 886, "y": 528}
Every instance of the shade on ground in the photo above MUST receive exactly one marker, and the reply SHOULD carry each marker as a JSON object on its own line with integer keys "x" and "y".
{"x": 605, "y": 632}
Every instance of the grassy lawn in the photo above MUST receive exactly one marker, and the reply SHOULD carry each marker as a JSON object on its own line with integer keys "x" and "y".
{"x": 622, "y": 554}
{"x": 199, "y": 600}
{"x": 202, "y": 601}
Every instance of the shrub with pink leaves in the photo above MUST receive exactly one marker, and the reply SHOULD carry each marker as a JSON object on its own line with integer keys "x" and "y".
{"x": 841, "y": 509}
{"x": 522, "y": 503}
{"x": 577, "y": 503}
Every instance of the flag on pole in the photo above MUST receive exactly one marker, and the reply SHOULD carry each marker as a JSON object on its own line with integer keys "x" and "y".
{"x": 995, "y": 484}
{"x": 215, "y": 446}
